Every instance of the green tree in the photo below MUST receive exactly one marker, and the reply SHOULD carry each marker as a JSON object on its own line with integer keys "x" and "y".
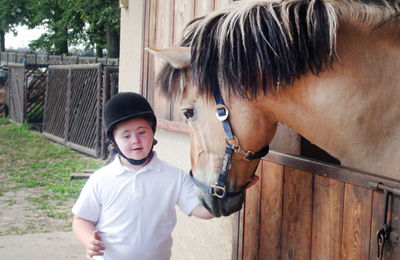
{"x": 103, "y": 20}
{"x": 12, "y": 13}
{"x": 94, "y": 22}
{"x": 64, "y": 25}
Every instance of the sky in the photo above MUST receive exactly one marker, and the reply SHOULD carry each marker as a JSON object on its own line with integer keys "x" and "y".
{"x": 23, "y": 37}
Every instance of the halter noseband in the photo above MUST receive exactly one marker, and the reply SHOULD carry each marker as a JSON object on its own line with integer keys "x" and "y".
{"x": 219, "y": 188}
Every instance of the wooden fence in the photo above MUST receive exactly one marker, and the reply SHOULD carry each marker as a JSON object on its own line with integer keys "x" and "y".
{"x": 25, "y": 93}
{"x": 36, "y": 79}
{"x": 16, "y": 94}
{"x": 75, "y": 96}
{"x": 9, "y": 58}
{"x": 302, "y": 209}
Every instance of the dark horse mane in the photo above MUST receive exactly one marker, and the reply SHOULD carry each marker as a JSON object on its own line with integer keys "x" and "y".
{"x": 256, "y": 46}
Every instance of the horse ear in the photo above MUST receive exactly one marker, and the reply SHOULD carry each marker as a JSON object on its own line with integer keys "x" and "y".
{"x": 178, "y": 57}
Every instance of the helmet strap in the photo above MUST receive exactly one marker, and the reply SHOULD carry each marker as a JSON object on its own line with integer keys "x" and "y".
{"x": 133, "y": 161}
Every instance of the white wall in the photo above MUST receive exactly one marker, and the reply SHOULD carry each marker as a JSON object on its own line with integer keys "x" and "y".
{"x": 193, "y": 238}
{"x": 131, "y": 46}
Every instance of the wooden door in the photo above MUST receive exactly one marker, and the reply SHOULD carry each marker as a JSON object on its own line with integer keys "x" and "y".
{"x": 303, "y": 209}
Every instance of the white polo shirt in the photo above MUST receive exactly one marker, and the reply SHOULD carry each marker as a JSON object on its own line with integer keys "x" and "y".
{"x": 135, "y": 211}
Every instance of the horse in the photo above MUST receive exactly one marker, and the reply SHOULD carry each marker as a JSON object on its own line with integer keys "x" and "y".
{"x": 328, "y": 69}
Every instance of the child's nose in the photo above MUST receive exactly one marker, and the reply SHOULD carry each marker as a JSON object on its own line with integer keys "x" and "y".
{"x": 135, "y": 139}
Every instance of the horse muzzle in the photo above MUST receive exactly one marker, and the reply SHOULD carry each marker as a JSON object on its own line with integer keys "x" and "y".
{"x": 222, "y": 206}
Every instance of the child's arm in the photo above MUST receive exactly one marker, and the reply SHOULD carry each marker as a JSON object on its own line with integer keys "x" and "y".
{"x": 201, "y": 212}
{"x": 84, "y": 231}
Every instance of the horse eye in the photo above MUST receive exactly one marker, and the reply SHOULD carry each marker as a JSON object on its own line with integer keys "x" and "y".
{"x": 188, "y": 113}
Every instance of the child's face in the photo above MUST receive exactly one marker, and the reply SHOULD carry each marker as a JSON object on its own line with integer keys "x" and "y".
{"x": 134, "y": 138}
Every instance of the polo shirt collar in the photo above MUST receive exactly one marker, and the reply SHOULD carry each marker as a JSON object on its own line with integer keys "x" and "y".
{"x": 154, "y": 166}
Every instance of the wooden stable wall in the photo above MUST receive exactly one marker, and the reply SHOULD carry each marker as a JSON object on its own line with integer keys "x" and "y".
{"x": 165, "y": 22}
{"x": 300, "y": 209}
{"x": 303, "y": 209}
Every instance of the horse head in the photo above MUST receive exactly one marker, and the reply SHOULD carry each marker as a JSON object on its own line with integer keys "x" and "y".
{"x": 209, "y": 142}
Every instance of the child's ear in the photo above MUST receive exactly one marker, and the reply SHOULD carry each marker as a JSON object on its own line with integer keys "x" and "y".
{"x": 111, "y": 145}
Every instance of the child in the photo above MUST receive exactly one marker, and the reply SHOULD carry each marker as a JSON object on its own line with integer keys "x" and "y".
{"x": 131, "y": 201}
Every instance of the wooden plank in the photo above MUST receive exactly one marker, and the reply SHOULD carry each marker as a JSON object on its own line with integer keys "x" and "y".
{"x": 98, "y": 107}
{"x": 179, "y": 127}
{"x": 343, "y": 174}
{"x": 237, "y": 235}
{"x": 327, "y": 218}
{"x": 297, "y": 214}
{"x": 147, "y": 72}
{"x": 183, "y": 14}
{"x": 161, "y": 37}
{"x": 219, "y": 4}
{"x": 271, "y": 210}
{"x": 356, "y": 222}
{"x": 378, "y": 205}
{"x": 392, "y": 248}
{"x": 252, "y": 220}
{"x": 81, "y": 175}
{"x": 203, "y": 7}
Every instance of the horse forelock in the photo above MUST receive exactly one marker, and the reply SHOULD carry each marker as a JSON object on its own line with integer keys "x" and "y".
{"x": 255, "y": 46}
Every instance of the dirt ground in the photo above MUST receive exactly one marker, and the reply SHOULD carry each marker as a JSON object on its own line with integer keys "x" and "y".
{"x": 27, "y": 233}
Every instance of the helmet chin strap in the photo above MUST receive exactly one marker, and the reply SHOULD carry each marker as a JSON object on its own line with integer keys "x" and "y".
{"x": 133, "y": 161}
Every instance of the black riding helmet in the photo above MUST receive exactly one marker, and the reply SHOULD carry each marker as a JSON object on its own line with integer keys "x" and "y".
{"x": 124, "y": 106}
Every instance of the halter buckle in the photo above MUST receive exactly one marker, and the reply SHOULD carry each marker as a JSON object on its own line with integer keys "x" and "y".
{"x": 222, "y": 117}
{"x": 219, "y": 189}
{"x": 247, "y": 155}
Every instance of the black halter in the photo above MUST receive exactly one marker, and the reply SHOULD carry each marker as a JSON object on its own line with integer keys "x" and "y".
{"x": 219, "y": 188}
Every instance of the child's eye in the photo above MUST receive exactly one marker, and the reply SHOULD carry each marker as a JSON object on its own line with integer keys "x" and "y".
{"x": 142, "y": 132}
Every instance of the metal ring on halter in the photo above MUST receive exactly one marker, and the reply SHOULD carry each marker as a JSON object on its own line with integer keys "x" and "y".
{"x": 236, "y": 147}
{"x": 218, "y": 191}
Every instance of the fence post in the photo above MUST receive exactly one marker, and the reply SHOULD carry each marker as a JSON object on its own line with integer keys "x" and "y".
{"x": 68, "y": 105}
{"x": 48, "y": 71}
{"x": 98, "y": 108}
{"x": 25, "y": 84}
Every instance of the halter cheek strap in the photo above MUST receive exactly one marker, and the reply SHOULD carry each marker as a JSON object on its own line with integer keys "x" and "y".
{"x": 219, "y": 188}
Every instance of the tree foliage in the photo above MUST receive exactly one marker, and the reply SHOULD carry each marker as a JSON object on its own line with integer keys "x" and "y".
{"x": 73, "y": 22}
{"x": 103, "y": 20}
{"x": 64, "y": 25}
{"x": 12, "y": 13}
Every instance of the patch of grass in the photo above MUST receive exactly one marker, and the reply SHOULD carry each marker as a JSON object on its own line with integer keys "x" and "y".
{"x": 11, "y": 202}
{"x": 28, "y": 160}
{"x": 15, "y": 231}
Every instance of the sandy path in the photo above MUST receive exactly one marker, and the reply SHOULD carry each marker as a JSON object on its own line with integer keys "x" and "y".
{"x": 41, "y": 246}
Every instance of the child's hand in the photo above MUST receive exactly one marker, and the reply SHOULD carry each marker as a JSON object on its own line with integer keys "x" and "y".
{"x": 201, "y": 212}
{"x": 95, "y": 245}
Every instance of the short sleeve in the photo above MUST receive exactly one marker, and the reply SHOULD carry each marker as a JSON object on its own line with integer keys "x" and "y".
{"x": 188, "y": 200}
{"x": 88, "y": 204}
